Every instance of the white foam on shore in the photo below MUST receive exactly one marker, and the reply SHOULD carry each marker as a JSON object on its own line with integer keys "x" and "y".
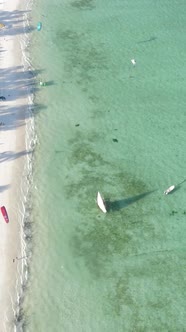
{"x": 26, "y": 183}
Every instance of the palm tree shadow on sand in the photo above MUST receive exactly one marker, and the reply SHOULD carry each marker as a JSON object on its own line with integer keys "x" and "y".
{"x": 123, "y": 203}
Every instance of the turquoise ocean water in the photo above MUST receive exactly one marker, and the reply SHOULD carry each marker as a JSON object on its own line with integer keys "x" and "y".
{"x": 103, "y": 124}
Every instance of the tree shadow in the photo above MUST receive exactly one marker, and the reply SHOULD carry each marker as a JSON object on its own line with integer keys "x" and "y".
{"x": 12, "y": 21}
{"x": 123, "y": 203}
{"x": 14, "y": 117}
{"x": 10, "y": 155}
{"x": 18, "y": 83}
{"x": 3, "y": 188}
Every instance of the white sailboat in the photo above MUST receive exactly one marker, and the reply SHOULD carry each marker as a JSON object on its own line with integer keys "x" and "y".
{"x": 171, "y": 188}
{"x": 100, "y": 203}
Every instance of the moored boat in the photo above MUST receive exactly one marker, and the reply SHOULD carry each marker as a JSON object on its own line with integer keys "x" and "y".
{"x": 5, "y": 214}
{"x": 167, "y": 191}
{"x": 101, "y": 203}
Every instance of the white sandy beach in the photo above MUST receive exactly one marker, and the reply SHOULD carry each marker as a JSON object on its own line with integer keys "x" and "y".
{"x": 12, "y": 153}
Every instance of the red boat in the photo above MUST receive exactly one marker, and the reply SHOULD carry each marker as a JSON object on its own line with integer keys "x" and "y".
{"x": 5, "y": 214}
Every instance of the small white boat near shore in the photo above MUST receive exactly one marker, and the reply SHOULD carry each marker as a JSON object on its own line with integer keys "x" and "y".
{"x": 169, "y": 190}
{"x": 133, "y": 61}
{"x": 101, "y": 203}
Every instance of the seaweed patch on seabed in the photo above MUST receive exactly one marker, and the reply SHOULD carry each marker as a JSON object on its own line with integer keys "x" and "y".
{"x": 120, "y": 295}
{"x": 96, "y": 243}
{"x": 99, "y": 239}
{"x": 84, "y": 154}
{"x": 82, "y": 58}
{"x": 94, "y": 240}
{"x": 84, "y": 4}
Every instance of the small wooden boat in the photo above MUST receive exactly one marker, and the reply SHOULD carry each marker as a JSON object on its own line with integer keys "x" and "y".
{"x": 5, "y": 214}
{"x": 171, "y": 188}
{"x": 101, "y": 203}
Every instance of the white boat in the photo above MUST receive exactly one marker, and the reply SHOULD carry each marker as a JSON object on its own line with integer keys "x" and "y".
{"x": 171, "y": 188}
{"x": 100, "y": 203}
{"x": 133, "y": 62}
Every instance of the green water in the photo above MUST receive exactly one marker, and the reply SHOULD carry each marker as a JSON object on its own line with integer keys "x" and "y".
{"x": 103, "y": 124}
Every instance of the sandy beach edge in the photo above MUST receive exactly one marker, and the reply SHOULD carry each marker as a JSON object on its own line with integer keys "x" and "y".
{"x": 14, "y": 152}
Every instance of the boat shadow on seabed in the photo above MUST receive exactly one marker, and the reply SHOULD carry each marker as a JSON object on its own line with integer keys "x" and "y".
{"x": 123, "y": 203}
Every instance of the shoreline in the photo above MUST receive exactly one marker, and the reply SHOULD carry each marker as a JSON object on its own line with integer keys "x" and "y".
{"x": 14, "y": 153}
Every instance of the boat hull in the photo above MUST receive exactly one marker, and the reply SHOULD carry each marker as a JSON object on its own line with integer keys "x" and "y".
{"x": 101, "y": 203}
{"x": 5, "y": 214}
{"x": 169, "y": 190}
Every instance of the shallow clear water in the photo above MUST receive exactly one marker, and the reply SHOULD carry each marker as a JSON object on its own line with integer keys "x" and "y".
{"x": 105, "y": 125}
